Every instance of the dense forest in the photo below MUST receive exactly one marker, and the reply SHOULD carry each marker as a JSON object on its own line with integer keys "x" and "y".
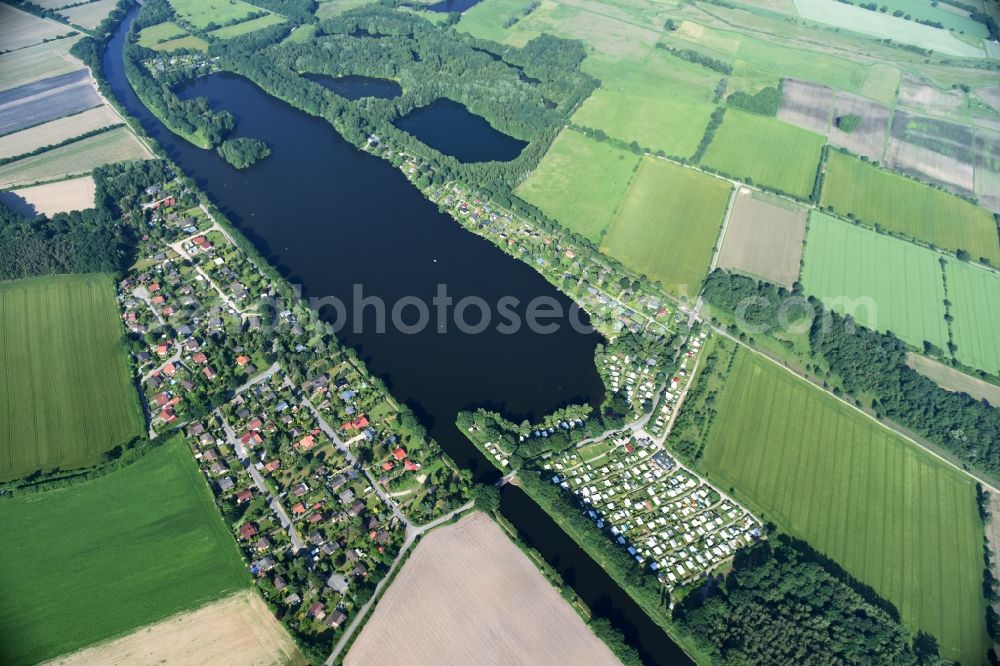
{"x": 782, "y": 605}
{"x": 243, "y": 152}
{"x": 873, "y": 364}
{"x": 89, "y": 241}
{"x": 192, "y": 119}
{"x": 527, "y": 93}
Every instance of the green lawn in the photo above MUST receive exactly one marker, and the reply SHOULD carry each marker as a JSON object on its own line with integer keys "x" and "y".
{"x": 99, "y": 559}
{"x": 658, "y": 100}
{"x": 975, "y": 294}
{"x": 893, "y": 516}
{"x": 154, "y": 34}
{"x": 668, "y": 225}
{"x": 246, "y": 27}
{"x": 201, "y": 13}
{"x": 580, "y": 182}
{"x": 767, "y": 151}
{"x": 884, "y": 282}
{"x": 66, "y": 394}
{"x": 897, "y": 203}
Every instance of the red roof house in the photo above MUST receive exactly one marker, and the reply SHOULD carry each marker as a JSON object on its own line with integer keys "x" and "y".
{"x": 399, "y": 453}
{"x": 248, "y": 530}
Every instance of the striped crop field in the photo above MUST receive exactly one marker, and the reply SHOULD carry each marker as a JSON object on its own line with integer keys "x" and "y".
{"x": 66, "y": 396}
{"x": 913, "y": 209}
{"x": 766, "y": 151}
{"x": 885, "y": 283}
{"x": 975, "y": 293}
{"x": 895, "y": 517}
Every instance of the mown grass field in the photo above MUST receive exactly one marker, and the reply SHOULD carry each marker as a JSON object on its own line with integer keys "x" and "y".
{"x": 766, "y": 150}
{"x": 66, "y": 395}
{"x": 98, "y": 559}
{"x": 897, "y": 203}
{"x": 247, "y": 26}
{"x": 668, "y": 225}
{"x": 580, "y": 182}
{"x": 42, "y": 61}
{"x": 486, "y": 19}
{"x": 885, "y": 283}
{"x": 659, "y": 101}
{"x": 201, "y": 13}
{"x": 893, "y": 516}
{"x": 951, "y": 379}
{"x": 151, "y": 36}
{"x": 77, "y": 158}
{"x": 975, "y": 294}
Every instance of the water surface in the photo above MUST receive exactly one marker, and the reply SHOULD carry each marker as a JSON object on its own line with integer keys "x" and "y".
{"x": 452, "y": 129}
{"x": 355, "y": 87}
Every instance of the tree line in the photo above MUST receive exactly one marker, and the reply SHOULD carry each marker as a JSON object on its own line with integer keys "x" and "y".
{"x": 872, "y": 365}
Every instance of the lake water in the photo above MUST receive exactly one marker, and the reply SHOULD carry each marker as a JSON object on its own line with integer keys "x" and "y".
{"x": 329, "y": 217}
{"x": 356, "y": 87}
{"x": 451, "y": 128}
{"x": 449, "y": 6}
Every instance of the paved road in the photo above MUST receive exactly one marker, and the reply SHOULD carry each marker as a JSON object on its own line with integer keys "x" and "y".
{"x": 412, "y": 532}
{"x": 273, "y": 502}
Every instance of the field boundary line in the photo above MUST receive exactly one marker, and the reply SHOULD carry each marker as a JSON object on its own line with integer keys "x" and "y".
{"x": 987, "y": 483}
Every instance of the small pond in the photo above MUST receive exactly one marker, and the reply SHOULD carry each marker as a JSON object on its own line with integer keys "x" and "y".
{"x": 448, "y": 126}
{"x": 355, "y": 87}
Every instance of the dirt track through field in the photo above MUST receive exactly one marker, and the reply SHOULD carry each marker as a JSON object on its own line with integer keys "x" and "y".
{"x": 238, "y": 629}
{"x": 468, "y": 595}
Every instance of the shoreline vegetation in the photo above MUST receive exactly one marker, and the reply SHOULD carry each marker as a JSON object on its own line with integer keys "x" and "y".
{"x": 859, "y": 370}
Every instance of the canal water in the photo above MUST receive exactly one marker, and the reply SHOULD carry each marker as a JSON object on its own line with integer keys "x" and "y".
{"x": 331, "y": 217}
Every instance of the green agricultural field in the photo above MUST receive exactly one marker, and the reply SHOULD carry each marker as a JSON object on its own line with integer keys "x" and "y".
{"x": 486, "y": 19}
{"x": 893, "y": 516}
{"x": 580, "y": 183}
{"x": 886, "y": 26}
{"x": 950, "y": 17}
{"x": 161, "y": 32}
{"x": 975, "y": 293}
{"x": 101, "y": 558}
{"x": 202, "y": 13}
{"x": 905, "y": 206}
{"x": 66, "y": 396}
{"x": 884, "y": 282}
{"x": 246, "y": 27}
{"x": 668, "y": 225}
{"x": 766, "y": 150}
{"x": 77, "y": 158}
{"x": 659, "y": 101}
{"x": 188, "y": 42}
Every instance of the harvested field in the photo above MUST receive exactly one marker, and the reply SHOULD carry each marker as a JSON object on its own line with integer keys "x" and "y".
{"x": 764, "y": 237}
{"x": 89, "y": 15}
{"x": 37, "y": 62}
{"x": 925, "y": 164}
{"x": 77, "y": 158}
{"x": 926, "y": 99}
{"x": 806, "y": 105}
{"x": 19, "y": 29}
{"x": 57, "y": 131}
{"x": 238, "y": 629}
{"x": 988, "y": 189}
{"x": 41, "y": 101}
{"x": 941, "y": 136}
{"x": 869, "y": 138}
{"x": 58, "y": 197}
{"x": 468, "y": 595}
{"x": 990, "y": 95}
{"x": 951, "y": 379}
